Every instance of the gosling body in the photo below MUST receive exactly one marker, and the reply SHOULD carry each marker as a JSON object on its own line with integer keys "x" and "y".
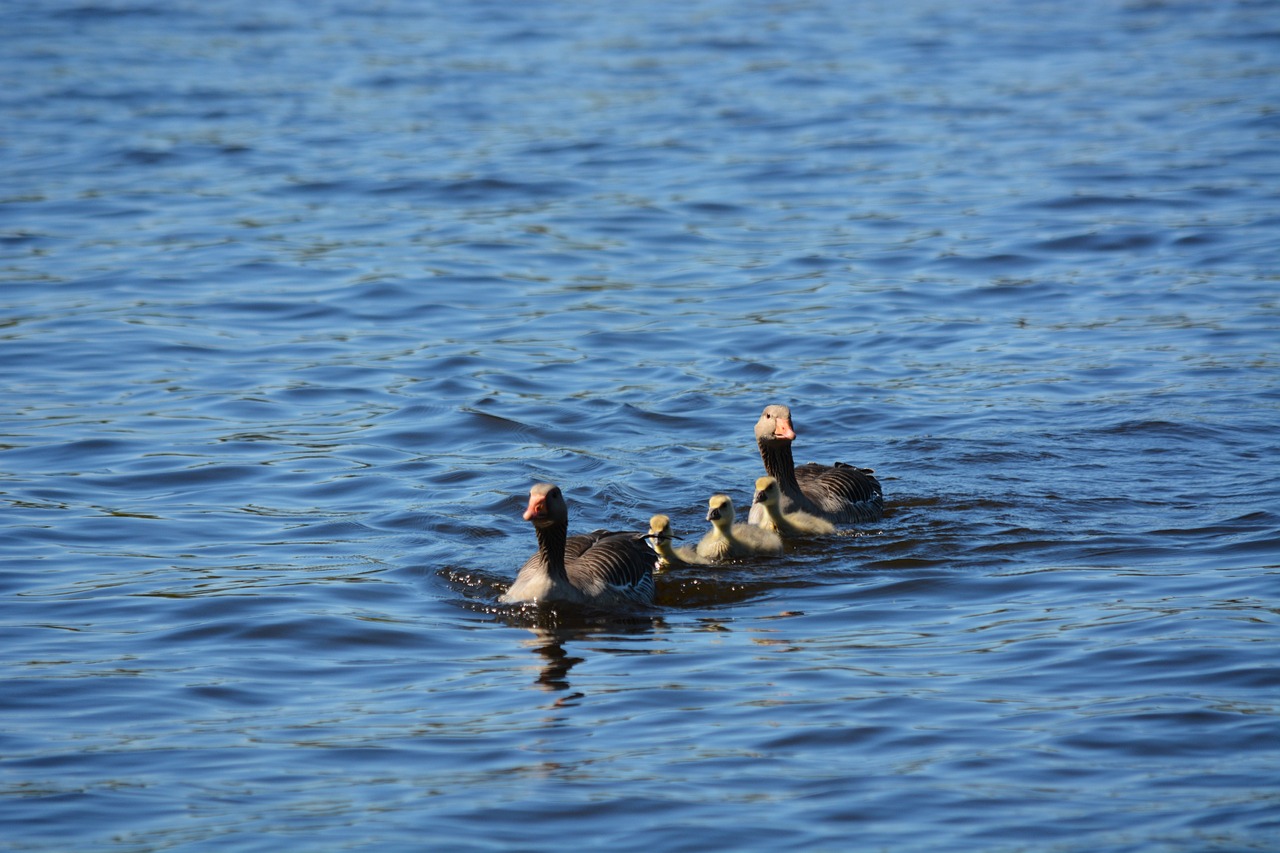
{"x": 660, "y": 539}
{"x": 728, "y": 541}
{"x": 790, "y": 525}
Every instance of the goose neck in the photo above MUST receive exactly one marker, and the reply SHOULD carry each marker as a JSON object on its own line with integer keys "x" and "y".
{"x": 551, "y": 542}
{"x": 779, "y": 464}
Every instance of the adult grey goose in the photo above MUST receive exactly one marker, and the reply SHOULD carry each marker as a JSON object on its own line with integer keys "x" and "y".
{"x": 839, "y": 493}
{"x": 601, "y": 568}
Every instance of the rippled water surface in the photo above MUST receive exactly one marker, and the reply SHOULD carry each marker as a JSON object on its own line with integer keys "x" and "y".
{"x": 298, "y": 299}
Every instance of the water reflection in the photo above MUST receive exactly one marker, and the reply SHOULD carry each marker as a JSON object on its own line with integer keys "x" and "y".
{"x": 554, "y": 674}
{"x": 559, "y": 631}
{"x": 551, "y": 645}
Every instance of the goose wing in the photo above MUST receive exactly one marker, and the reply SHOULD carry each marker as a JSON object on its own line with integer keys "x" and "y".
{"x": 606, "y": 564}
{"x": 842, "y": 490}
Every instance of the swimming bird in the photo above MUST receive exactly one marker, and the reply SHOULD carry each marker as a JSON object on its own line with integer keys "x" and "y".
{"x": 726, "y": 540}
{"x": 599, "y": 568}
{"x": 839, "y": 493}
{"x": 789, "y": 525}
{"x": 660, "y": 537}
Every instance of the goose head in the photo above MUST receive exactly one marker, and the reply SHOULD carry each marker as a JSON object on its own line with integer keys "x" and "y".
{"x": 546, "y": 506}
{"x": 775, "y": 424}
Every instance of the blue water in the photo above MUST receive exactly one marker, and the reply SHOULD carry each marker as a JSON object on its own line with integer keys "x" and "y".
{"x": 298, "y": 299}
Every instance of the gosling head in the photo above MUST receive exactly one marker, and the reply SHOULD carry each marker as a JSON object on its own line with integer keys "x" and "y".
{"x": 720, "y": 512}
{"x": 767, "y": 491}
{"x": 660, "y": 528}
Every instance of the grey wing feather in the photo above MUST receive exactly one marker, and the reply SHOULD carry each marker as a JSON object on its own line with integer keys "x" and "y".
{"x": 842, "y": 489}
{"x": 620, "y": 562}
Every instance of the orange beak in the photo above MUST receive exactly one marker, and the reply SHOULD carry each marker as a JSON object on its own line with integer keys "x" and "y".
{"x": 782, "y": 429}
{"x": 537, "y": 508}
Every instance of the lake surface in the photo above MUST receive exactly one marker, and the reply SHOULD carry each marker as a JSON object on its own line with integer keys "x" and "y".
{"x": 298, "y": 299}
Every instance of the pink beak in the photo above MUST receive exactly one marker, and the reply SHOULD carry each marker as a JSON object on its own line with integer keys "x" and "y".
{"x": 782, "y": 429}
{"x": 537, "y": 508}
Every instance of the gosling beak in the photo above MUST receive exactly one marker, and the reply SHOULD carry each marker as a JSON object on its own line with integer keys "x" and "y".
{"x": 759, "y": 498}
{"x": 713, "y": 514}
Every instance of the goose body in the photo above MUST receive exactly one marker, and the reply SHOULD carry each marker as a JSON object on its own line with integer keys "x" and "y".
{"x": 601, "y": 568}
{"x": 728, "y": 541}
{"x": 660, "y": 537}
{"x": 839, "y": 493}
{"x": 791, "y": 525}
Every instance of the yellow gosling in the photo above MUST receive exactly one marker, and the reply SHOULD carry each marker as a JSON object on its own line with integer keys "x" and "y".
{"x": 789, "y": 525}
{"x": 728, "y": 541}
